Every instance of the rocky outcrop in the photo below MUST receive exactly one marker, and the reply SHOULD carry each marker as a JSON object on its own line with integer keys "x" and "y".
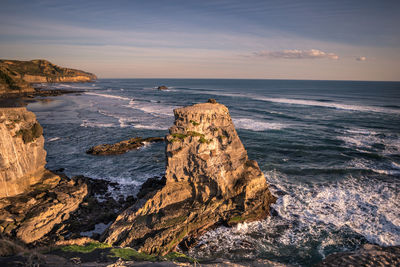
{"x": 31, "y": 215}
{"x": 16, "y": 76}
{"x": 162, "y": 87}
{"x": 123, "y": 146}
{"x": 32, "y": 199}
{"x": 209, "y": 181}
{"x": 22, "y": 156}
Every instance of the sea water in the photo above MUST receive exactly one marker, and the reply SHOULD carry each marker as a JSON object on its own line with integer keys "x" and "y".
{"x": 330, "y": 151}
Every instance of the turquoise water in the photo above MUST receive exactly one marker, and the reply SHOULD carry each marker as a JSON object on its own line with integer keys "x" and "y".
{"x": 329, "y": 149}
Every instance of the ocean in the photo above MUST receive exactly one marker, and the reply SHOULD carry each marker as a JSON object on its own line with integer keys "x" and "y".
{"x": 330, "y": 151}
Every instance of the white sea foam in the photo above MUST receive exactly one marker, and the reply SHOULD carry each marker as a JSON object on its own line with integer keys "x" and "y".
{"x": 333, "y": 214}
{"x": 257, "y": 125}
{"x": 362, "y": 139}
{"x": 156, "y": 109}
{"x": 151, "y": 126}
{"x": 109, "y": 96}
{"x": 87, "y": 123}
{"x": 305, "y": 102}
{"x": 53, "y": 139}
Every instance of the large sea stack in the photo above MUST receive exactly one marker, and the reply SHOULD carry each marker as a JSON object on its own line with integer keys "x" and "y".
{"x": 210, "y": 181}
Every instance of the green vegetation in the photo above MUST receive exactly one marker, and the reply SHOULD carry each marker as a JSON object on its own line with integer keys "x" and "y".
{"x": 89, "y": 247}
{"x": 5, "y": 78}
{"x": 131, "y": 254}
{"x": 204, "y": 140}
{"x": 195, "y": 123}
{"x": 179, "y": 135}
{"x": 236, "y": 219}
{"x": 193, "y": 134}
{"x": 179, "y": 257}
{"x": 29, "y": 135}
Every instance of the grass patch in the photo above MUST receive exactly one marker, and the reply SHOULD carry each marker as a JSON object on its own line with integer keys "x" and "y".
{"x": 195, "y": 123}
{"x": 236, "y": 219}
{"x": 179, "y": 135}
{"x": 204, "y": 140}
{"x": 179, "y": 257}
{"x": 194, "y": 134}
{"x": 89, "y": 247}
{"x": 131, "y": 254}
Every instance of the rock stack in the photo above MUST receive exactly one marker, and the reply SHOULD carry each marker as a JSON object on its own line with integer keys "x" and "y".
{"x": 210, "y": 181}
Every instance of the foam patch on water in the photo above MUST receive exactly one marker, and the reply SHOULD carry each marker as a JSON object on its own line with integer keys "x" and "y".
{"x": 257, "y": 125}
{"x": 151, "y": 126}
{"x": 53, "y": 139}
{"x": 316, "y": 218}
{"x": 305, "y": 102}
{"x": 363, "y": 139}
{"x": 335, "y": 105}
{"x": 109, "y": 96}
{"x": 155, "y": 109}
{"x": 94, "y": 124}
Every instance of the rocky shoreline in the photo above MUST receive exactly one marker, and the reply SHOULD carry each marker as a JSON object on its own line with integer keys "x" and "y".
{"x": 49, "y": 219}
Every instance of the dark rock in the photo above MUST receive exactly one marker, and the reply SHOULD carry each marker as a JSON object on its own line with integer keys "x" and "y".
{"x": 162, "y": 87}
{"x": 212, "y": 101}
{"x": 123, "y": 146}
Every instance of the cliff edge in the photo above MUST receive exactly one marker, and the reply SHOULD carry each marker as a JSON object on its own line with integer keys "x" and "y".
{"x": 16, "y": 76}
{"x": 32, "y": 199}
{"x": 22, "y": 154}
{"x": 210, "y": 181}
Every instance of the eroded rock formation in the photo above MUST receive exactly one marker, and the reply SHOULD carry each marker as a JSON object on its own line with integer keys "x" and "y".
{"x": 209, "y": 181}
{"x": 16, "y": 76}
{"x": 32, "y": 199}
{"x": 22, "y": 154}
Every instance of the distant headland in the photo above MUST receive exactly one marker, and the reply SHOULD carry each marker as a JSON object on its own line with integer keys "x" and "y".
{"x": 17, "y": 76}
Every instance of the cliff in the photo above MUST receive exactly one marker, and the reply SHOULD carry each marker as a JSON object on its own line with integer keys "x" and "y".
{"x": 22, "y": 156}
{"x": 209, "y": 181}
{"x": 16, "y": 76}
{"x": 32, "y": 199}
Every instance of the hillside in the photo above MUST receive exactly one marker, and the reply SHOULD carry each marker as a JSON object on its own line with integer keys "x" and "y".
{"x": 16, "y": 76}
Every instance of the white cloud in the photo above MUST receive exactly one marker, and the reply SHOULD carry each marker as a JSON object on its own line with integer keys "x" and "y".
{"x": 361, "y": 58}
{"x": 297, "y": 54}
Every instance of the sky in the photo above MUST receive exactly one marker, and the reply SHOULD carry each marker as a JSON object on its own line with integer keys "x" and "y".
{"x": 282, "y": 39}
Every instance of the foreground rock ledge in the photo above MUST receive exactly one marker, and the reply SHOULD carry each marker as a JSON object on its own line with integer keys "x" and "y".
{"x": 209, "y": 181}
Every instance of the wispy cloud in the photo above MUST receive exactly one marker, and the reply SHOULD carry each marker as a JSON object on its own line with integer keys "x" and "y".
{"x": 297, "y": 54}
{"x": 361, "y": 58}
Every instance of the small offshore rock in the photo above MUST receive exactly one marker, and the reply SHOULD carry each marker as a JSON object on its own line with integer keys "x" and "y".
{"x": 162, "y": 87}
{"x": 123, "y": 146}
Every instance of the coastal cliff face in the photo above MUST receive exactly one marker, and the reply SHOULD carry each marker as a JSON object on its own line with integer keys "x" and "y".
{"x": 32, "y": 199}
{"x": 16, "y": 76}
{"x": 22, "y": 156}
{"x": 209, "y": 181}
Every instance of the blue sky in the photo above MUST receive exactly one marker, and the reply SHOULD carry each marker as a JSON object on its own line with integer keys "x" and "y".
{"x": 349, "y": 40}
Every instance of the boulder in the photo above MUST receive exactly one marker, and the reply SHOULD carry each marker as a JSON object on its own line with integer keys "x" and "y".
{"x": 209, "y": 181}
{"x": 162, "y": 87}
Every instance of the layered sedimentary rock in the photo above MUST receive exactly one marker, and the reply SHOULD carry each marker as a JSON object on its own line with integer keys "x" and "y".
{"x": 16, "y": 76}
{"x": 32, "y": 199}
{"x": 22, "y": 154}
{"x": 209, "y": 181}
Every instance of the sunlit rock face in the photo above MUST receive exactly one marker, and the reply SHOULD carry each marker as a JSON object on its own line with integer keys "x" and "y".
{"x": 22, "y": 154}
{"x": 209, "y": 181}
